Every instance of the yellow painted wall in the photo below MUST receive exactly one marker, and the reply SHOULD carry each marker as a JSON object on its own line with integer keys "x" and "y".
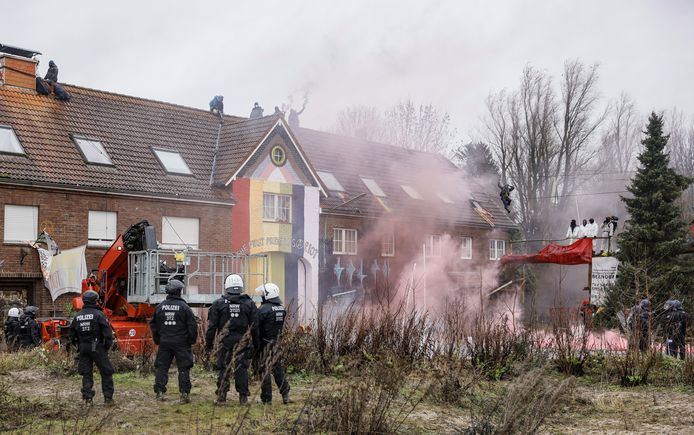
{"x": 276, "y": 272}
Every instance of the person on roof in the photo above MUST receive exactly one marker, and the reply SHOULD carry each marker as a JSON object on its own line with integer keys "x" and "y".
{"x": 505, "y": 194}
{"x": 52, "y": 73}
{"x": 293, "y": 118}
{"x": 256, "y": 112}
{"x": 574, "y": 232}
{"x": 217, "y": 105}
{"x": 59, "y": 91}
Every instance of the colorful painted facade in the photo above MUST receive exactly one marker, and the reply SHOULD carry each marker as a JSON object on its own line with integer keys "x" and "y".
{"x": 276, "y": 214}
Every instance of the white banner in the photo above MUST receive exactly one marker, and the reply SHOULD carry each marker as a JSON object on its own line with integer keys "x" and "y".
{"x": 604, "y": 275}
{"x": 67, "y": 270}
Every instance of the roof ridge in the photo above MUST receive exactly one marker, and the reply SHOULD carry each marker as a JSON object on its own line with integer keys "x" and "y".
{"x": 150, "y": 100}
{"x": 429, "y": 153}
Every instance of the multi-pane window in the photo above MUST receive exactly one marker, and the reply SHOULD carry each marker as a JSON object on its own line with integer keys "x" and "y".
{"x": 9, "y": 142}
{"x": 388, "y": 245}
{"x": 92, "y": 151}
{"x": 497, "y": 249}
{"x": 102, "y": 228}
{"x": 277, "y": 208}
{"x": 180, "y": 232}
{"x": 21, "y": 223}
{"x": 432, "y": 246}
{"x": 466, "y": 248}
{"x": 344, "y": 241}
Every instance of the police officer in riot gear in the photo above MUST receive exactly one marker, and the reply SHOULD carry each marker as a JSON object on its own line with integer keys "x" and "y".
{"x": 232, "y": 316}
{"x": 271, "y": 317}
{"x": 29, "y": 329}
{"x": 175, "y": 330}
{"x": 91, "y": 333}
{"x": 11, "y": 329}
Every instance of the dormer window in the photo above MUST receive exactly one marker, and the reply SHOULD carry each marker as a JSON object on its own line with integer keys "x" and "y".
{"x": 9, "y": 144}
{"x": 92, "y": 151}
{"x": 172, "y": 162}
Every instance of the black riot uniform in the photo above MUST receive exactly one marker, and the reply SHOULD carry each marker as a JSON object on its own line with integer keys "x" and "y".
{"x": 11, "y": 329}
{"x": 271, "y": 317}
{"x": 175, "y": 330}
{"x": 91, "y": 333}
{"x": 676, "y": 320}
{"x": 29, "y": 329}
{"x": 232, "y": 316}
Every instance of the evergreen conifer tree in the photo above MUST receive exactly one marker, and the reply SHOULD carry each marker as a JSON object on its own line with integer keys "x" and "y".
{"x": 655, "y": 233}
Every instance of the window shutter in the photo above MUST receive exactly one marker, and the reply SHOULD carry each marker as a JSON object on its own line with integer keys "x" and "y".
{"x": 102, "y": 225}
{"x": 178, "y": 232}
{"x": 21, "y": 223}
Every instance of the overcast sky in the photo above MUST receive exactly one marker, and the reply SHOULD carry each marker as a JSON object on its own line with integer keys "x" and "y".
{"x": 449, "y": 53}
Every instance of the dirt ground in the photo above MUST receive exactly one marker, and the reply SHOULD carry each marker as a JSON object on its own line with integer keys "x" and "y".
{"x": 590, "y": 409}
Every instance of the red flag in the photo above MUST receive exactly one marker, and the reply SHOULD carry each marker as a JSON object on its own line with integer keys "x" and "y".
{"x": 579, "y": 252}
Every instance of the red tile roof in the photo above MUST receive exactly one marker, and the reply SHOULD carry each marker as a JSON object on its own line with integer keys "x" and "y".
{"x": 128, "y": 128}
{"x": 349, "y": 158}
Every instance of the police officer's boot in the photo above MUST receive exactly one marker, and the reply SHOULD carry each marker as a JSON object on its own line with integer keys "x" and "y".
{"x": 109, "y": 402}
{"x": 285, "y": 398}
{"x": 243, "y": 399}
{"x": 184, "y": 399}
{"x": 160, "y": 396}
{"x": 88, "y": 401}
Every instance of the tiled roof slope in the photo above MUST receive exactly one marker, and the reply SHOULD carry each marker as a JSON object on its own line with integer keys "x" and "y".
{"x": 237, "y": 142}
{"x": 128, "y": 128}
{"x": 349, "y": 158}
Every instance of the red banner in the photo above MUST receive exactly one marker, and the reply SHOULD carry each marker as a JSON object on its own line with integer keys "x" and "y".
{"x": 579, "y": 252}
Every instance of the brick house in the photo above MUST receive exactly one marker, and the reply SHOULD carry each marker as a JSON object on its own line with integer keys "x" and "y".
{"x": 392, "y": 213}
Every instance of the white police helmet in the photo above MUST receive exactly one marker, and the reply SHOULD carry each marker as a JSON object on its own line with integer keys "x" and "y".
{"x": 14, "y": 312}
{"x": 233, "y": 284}
{"x": 268, "y": 290}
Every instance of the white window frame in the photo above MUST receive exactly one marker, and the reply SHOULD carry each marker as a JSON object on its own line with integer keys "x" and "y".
{"x": 21, "y": 223}
{"x": 466, "y": 247}
{"x": 388, "y": 245}
{"x": 373, "y": 187}
{"x": 330, "y": 181}
{"x": 81, "y": 142}
{"x": 432, "y": 246}
{"x": 342, "y": 246}
{"x": 102, "y": 228}
{"x": 411, "y": 192}
{"x": 174, "y": 232}
{"x": 273, "y": 207}
{"x": 184, "y": 171}
{"x": 496, "y": 247}
{"x": 14, "y": 145}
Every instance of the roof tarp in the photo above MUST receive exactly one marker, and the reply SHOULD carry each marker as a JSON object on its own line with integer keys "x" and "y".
{"x": 579, "y": 252}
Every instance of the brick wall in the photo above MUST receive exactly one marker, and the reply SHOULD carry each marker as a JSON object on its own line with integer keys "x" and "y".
{"x": 18, "y": 72}
{"x": 64, "y": 215}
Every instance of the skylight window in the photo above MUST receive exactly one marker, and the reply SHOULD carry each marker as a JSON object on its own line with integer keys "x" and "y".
{"x": 9, "y": 142}
{"x": 330, "y": 181}
{"x": 411, "y": 191}
{"x": 373, "y": 187}
{"x": 444, "y": 198}
{"x": 172, "y": 162}
{"x": 93, "y": 151}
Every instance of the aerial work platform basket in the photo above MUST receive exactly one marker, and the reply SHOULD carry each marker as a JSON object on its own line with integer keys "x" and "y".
{"x": 202, "y": 273}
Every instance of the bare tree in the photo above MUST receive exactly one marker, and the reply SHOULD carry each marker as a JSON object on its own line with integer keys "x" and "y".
{"x": 364, "y": 122}
{"x": 621, "y": 139}
{"x": 419, "y": 127}
{"x": 541, "y": 142}
{"x": 406, "y": 124}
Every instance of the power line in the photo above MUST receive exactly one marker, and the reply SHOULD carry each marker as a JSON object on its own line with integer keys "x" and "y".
{"x": 579, "y": 194}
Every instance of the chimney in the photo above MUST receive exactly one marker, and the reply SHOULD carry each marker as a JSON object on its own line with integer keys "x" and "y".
{"x": 18, "y": 67}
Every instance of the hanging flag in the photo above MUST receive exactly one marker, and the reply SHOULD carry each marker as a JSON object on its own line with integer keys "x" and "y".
{"x": 579, "y": 252}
